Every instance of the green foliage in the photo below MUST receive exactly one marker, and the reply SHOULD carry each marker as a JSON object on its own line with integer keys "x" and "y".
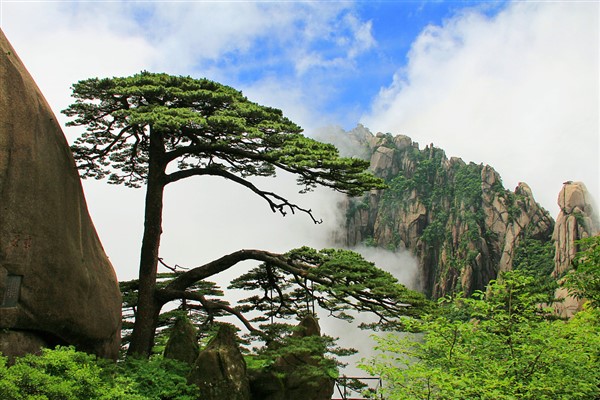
{"x": 66, "y": 374}
{"x": 467, "y": 185}
{"x": 497, "y": 345}
{"x": 580, "y": 218}
{"x": 336, "y": 280}
{"x": 319, "y": 354}
{"x": 59, "y": 374}
{"x": 428, "y": 171}
{"x": 158, "y": 378}
{"x": 584, "y": 280}
{"x": 535, "y": 257}
{"x": 356, "y": 204}
{"x": 435, "y": 232}
{"x": 205, "y": 128}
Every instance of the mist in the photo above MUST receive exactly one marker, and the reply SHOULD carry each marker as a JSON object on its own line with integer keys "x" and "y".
{"x": 206, "y": 218}
{"x": 404, "y": 267}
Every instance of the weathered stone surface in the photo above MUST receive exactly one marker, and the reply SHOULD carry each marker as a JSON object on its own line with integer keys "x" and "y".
{"x": 16, "y": 343}
{"x": 56, "y": 284}
{"x": 287, "y": 378}
{"x": 266, "y": 385}
{"x": 220, "y": 369}
{"x": 577, "y": 220}
{"x": 529, "y": 216}
{"x": 566, "y": 306}
{"x": 183, "y": 342}
{"x": 456, "y": 218}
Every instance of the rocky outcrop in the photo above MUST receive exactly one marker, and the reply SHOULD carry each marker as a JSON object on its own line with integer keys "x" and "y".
{"x": 56, "y": 284}
{"x": 220, "y": 369}
{"x": 183, "y": 342}
{"x": 294, "y": 376}
{"x": 577, "y": 220}
{"x": 456, "y": 218}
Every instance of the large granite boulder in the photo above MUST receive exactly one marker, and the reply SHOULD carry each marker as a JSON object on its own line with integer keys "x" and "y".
{"x": 57, "y": 285}
{"x": 220, "y": 369}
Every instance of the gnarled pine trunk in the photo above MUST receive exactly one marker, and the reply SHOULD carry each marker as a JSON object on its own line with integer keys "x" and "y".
{"x": 148, "y": 307}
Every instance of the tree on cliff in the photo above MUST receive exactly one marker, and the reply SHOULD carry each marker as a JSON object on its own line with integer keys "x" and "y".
{"x": 158, "y": 129}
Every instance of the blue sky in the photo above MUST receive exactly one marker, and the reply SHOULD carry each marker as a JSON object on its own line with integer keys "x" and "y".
{"x": 346, "y": 51}
{"x": 511, "y": 84}
{"x": 349, "y": 55}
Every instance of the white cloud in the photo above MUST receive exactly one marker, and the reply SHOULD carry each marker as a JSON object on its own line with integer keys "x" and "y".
{"x": 351, "y": 38}
{"x": 60, "y": 46}
{"x": 519, "y": 91}
{"x": 62, "y": 42}
{"x": 363, "y": 37}
{"x": 189, "y": 34}
{"x": 291, "y": 96}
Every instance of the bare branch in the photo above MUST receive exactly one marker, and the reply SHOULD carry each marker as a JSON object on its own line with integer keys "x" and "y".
{"x": 166, "y": 295}
{"x": 103, "y": 152}
{"x": 174, "y": 269}
{"x": 276, "y": 202}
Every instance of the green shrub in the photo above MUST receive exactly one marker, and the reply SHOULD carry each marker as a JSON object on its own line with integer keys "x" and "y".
{"x": 495, "y": 345}
{"x": 66, "y": 374}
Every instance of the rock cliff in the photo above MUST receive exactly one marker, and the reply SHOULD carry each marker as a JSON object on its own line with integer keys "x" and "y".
{"x": 577, "y": 220}
{"x": 57, "y": 285}
{"x": 456, "y": 218}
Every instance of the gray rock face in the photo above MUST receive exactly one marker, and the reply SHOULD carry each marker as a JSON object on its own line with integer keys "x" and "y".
{"x": 183, "y": 343}
{"x": 456, "y": 218}
{"x": 293, "y": 377}
{"x": 220, "y": 369}
{"x": 297, "y": 385}
{"x": 57, "y": 285}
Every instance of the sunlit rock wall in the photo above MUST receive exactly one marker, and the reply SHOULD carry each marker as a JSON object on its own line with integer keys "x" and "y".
{"x": 456, "y": 218}
{"x": 57, "y": 285}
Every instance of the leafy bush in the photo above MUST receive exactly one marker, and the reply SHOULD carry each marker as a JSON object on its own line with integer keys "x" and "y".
{"x": 66, "y": 374}
{"x": 535, "y": 257}
{"x": 158, "y": 378}
{"x": 497, "y": 346}
{"x": 61, "y": 374}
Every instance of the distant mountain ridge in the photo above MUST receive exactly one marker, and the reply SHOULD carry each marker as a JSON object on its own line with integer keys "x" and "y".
{"x": 456, "y": 218}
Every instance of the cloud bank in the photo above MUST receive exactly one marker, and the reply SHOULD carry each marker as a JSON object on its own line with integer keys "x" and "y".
{"x": 269, "y": 49}
{"x": 518, "y": 91}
